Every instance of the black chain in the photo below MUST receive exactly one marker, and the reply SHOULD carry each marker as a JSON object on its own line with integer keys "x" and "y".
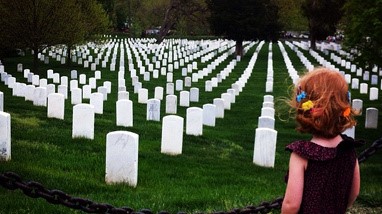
{"x": 13, "y": 181}
{"x": 370, "y": 151}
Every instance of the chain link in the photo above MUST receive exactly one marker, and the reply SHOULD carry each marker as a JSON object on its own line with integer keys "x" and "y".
{"x": 370, "y": 151}
{"x": 13, "y": 181}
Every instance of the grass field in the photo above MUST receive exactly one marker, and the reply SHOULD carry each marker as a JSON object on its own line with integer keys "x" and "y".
{"x": 215, "y": 171}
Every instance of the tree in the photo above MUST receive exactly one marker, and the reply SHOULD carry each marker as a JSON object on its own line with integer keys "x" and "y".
{"x": 244, "y": 20}
{"x": 363, "y": 31}
{"x": 291, "y": 16}
{"x": 323, "y": 17}
{"x": 87, "y": 21}
{"x": 37, "y": 24}
{"x": 181, "y": 10}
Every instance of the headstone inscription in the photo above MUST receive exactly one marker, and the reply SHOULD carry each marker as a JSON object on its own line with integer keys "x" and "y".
{"x": 122, "y": 158}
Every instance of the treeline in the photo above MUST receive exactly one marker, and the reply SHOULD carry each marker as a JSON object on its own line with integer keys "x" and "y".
{"x": 39, "y": 24}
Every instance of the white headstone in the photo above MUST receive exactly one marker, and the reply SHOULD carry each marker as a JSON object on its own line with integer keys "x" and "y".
{"x": 373, "y": 93}
{"x": 268, "y": 104}
{"x": 357, "y": 105}
{"x": 5, "y": 136}
{"x": 355, "y": 83}
{"x": 123, "y": 95}
{"x": 83, "y": 121}
{"x": 374, "y": 79}
{"x": 107, "y": 84}
{"x": 97, "y": 74}
{"x": 73, "y": 74}
{"x": 371, "y": 120}
{"x": 158, "y": 93}
{"x": 170, "y": 77}
{"x": 143, "y": 95}
{"x": 96, "y": 99}
{"x": 124, "y": 113}
{"x": 266, "y": 122}
{"x": 63, "y": 89}
{"x": 76, "y": 96}
{"x": 40, "y": 96}
{"x": 50, "y": 89}
{"x": 153, "y": 110}
{"x": 194, "y": 95}
{"x": 187, "y": 82}
{"x": 269, "y": 112}
{"x": 184, "y": 99}
{"x": 19, "y": 67}
{"x": 364, "y": 88}
{"x": 64, "y": 80}
{"x": 93, "y": 82}
{"x": 146, "y": 76}
{"x": 56, "y": 106}
{"x": 227, "y": 100}
{"x": 86, "y": 91}
{"x": 73, "y": 84}
{"x": 265, "y": 147}
{"x": 219, "y": 103}
{"x": 82, "y": 79}
{"x": 122, "y": 158}
{"x": 268, "y": 98}
{"x": 35, "y": 80}
{"x": 194, "y": 121}
{"x": 170, "y": 88}
{"x": 103, "y": 91}
{"x": 179, "y": 85}
{"x": 137, "y": 87}
{"x": 171, "y": 104}
{"x": 350, "y": 132}
{"x": 29, "y": 92}
{"x": 209, "y": 115}
{"x": 233, "y": 96}
{"x": 172, "y": 134}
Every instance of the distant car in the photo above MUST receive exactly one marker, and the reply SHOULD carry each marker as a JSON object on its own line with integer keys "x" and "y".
{"x": 152, "y": 31}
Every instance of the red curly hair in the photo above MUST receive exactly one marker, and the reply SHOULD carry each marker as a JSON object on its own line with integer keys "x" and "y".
{"x": 331, "y": 113}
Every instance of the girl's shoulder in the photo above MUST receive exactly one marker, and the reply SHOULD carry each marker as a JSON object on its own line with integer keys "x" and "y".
{"x": 312, "y": 151}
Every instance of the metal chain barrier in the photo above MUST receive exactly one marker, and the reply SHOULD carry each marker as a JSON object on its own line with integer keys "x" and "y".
{"x": 370, "y": 151}
{"x": 12, "y": 181}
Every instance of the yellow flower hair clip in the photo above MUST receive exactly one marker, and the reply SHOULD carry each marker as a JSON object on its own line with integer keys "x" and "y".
{"x": 308, "y": 105}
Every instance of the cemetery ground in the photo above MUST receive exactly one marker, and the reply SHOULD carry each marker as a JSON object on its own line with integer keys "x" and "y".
{"x": 215, "y": 171}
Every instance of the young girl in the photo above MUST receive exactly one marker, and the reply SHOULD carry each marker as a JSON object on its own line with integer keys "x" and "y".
{"x": 323, "y": 173}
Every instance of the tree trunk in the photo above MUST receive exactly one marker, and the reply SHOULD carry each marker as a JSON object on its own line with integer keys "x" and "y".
{"x": 313, "y": 43}
{"x": 35, "y": 60}
{"x": 69, "y": 54}
{"x": 168, "y": 22}
{"x": 239, "y": 48}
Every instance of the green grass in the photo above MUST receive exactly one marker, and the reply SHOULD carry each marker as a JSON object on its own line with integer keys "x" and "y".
{"x": 214, "y": 173}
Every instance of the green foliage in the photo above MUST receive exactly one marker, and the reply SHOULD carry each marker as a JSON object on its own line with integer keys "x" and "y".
{"x": 291, "y": 15}
{"x": 363, "y": 31}
{"x": 323, "y": 17}
{"x": 42, "y": 23}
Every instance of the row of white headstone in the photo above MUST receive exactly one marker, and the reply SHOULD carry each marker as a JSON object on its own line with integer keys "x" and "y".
{"x": 265, "y": 135}
{"x": 119, "y": 143}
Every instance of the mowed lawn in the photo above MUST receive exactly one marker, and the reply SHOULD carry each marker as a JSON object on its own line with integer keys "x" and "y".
{"x": 214, "y": 172}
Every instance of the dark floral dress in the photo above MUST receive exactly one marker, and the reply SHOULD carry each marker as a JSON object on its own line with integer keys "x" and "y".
{"x": 328, "y": 176}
